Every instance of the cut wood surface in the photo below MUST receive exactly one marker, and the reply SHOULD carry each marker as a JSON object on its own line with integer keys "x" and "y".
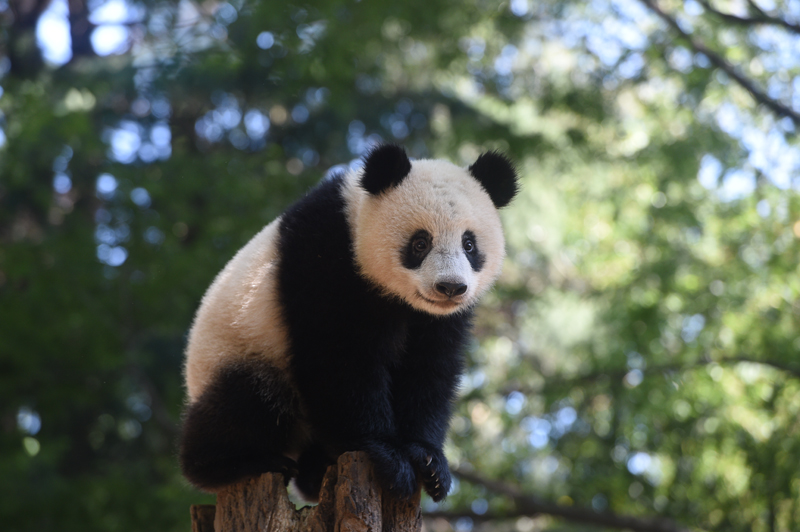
{"x": 351, "y": 500}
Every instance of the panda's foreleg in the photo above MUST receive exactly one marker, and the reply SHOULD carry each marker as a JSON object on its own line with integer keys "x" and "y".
{"x": 423, "y": 416}
{"x": 239, "y": 427}
{"x": 424, "y": 388}
{"x": 347, "y": 401}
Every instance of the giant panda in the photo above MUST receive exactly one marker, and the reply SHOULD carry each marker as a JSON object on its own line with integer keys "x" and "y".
{"x": 341, "y": 326}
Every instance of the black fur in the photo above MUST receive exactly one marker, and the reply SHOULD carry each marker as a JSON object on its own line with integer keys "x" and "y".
{"x": 240, "y": 426}
{"x": 373, "y": 374}
{"x": 385, "y": 166}
{"x": 311, "y": 466}
{"x": 496, "y": 173}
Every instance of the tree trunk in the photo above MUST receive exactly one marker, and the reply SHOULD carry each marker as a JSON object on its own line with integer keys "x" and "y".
{"x": 351, "y": 500}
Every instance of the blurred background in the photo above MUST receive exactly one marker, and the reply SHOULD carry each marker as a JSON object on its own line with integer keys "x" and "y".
{"x": 636, "y": 366}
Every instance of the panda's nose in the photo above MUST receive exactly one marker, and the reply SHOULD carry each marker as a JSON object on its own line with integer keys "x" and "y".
{"x": 451, "y": 289}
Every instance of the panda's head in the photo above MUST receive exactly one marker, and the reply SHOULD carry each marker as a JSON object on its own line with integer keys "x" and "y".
{"x": 428, "y": 231}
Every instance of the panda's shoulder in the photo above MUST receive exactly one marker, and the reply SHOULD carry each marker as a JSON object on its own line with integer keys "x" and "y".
{"x": 322, "y": 199}
{"x": 314, "y": 235}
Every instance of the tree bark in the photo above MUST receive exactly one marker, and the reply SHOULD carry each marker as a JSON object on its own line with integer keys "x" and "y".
{"x": 351, "y": 500}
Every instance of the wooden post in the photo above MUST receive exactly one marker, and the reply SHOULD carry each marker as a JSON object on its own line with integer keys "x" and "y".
{"x": 351, "y": 500}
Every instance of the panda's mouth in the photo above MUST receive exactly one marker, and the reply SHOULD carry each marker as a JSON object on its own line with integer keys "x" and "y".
{"x": 444, "y": 303}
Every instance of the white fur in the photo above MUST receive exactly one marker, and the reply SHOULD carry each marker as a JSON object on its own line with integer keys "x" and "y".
{"x": 239, "y": 316}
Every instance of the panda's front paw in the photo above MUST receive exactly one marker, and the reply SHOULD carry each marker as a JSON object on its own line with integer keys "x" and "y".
{"x": 433, "y": 469}
{"x": 402, "y": 479}
{"x": 393, "y": 469}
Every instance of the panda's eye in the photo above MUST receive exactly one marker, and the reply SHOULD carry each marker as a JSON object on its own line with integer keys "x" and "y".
{"x": 420, "y": 245}
{"x": 471, "y": 251}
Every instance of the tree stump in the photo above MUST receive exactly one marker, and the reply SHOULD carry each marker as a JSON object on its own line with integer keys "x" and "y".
{"x": 351, "y": 500}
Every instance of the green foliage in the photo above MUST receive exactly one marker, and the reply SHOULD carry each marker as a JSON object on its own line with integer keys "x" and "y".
{"x": 639, "y": 354}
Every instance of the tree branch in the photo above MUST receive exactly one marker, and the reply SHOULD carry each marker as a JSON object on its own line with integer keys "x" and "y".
{"x": 762, "y": 17}
{"x": 530, "y": 505}
{"x": 772, "y": 20}
{"x": 588, "y": 378}
{"x": 718, "y": 61}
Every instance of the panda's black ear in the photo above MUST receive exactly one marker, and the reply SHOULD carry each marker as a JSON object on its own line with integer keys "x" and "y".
{"x": 385, "y": 166}
{"x": 496, "y": 173}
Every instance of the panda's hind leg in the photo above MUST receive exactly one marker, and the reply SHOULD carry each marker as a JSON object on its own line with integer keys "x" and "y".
{"x": 312, "y": 465}
{"x": 239, "y": 427}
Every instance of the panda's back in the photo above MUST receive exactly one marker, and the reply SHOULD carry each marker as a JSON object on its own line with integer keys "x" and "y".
{"x": 294, "y": 284}
{"x": 239, "y": 316}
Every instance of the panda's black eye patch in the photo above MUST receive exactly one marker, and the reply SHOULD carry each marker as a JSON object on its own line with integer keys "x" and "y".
{"x": 418, "y": 247}
{"x": 474, "y": 256}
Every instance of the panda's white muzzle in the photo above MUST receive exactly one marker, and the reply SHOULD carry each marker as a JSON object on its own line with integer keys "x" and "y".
{"x": 446, "y": 277}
